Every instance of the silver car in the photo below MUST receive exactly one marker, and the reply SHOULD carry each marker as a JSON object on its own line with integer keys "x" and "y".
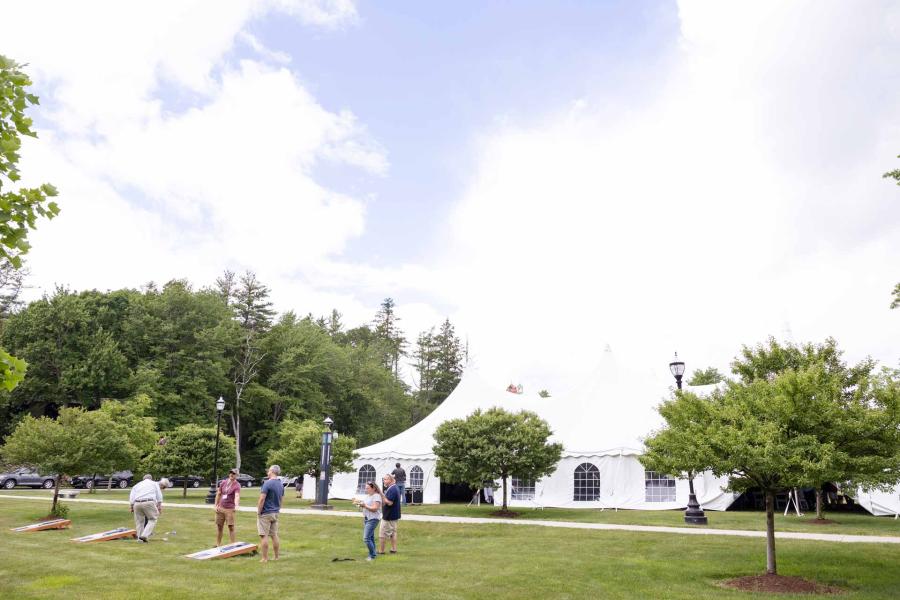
{"x": 26, "y": 478}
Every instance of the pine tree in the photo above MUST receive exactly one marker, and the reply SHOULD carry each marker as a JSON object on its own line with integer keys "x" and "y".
{"x": 449, "y": 361}
{"x": 391, "y": 337}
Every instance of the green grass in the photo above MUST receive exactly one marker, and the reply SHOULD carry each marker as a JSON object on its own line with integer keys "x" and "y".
{"x": 846, "y": 523}
{"x": 436, "y": 561}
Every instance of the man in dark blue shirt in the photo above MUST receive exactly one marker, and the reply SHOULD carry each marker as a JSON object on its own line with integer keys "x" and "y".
{"x": 267, "y": 509}
{"x": 390, "y": 513}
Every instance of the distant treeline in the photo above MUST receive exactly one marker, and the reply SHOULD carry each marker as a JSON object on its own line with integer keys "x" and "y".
{"x": 184, "y": 347}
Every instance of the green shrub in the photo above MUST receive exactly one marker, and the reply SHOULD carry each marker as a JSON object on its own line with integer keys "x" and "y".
{"x": 61, "y": 511}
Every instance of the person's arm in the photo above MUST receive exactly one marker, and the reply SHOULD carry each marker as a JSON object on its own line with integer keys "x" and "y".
{"x": 387, "y": 500}
{"x": 260, "y": 502}
{"x": 158, "y": 498}
{"x": 131, "y": 499}
{"x": 218, "y": 496}
{"x": 237, "y": 498}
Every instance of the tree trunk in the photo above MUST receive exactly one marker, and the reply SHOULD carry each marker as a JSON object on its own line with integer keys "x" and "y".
{"x": 55, "y": 494}
{"x": 184, "y": 493}
{"x": 770, "y": 533}
{"x": 504, "y": 493}
{"x": 109, "y": 483}
{"x": 236, "y": 428}
{"x": 820, "y": 504}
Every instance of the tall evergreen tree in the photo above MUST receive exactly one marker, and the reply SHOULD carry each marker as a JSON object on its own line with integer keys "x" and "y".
{"x": 449, "y": 362}
{"x": 388, "y": 332}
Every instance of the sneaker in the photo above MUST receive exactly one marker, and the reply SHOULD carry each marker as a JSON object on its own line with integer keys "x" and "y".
{"x": 143, "y": 540}
{"x": 370, "y": 558}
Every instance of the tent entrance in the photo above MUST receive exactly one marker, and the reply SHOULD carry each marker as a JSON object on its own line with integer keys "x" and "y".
{"x": 456, "y": 492}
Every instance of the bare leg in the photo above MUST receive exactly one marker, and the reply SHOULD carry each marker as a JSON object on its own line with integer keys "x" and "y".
{"x": 394, "y": 541}
{"x": 381, "y": 545}
{"x": 264, "y": 548}
{"x": 276, "y": 544}
{"x": 218, "y": 534}
{"x": 230, "y": 533}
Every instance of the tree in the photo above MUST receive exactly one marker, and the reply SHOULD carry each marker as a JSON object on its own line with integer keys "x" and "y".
{"x": 495, "y": 444}
{"x": 895, "y": 303}
{"x": 299, "y": 447}
{"x": 895, "y": 175}
{"x": 131, "y": 418}
{"x": 388, "y": 332}
{"x": 707, "y": 376}
{"x": 19, "y": 210}
{"x": 853, "y": 390}
{"x": 448, "y": 362}
{"x": 190, "y": 450}
{"x": 78, "y": 441}
{"x": 544, "y": 394}
{"x": 771, "y": 433}
{"x": 253, "y": 311}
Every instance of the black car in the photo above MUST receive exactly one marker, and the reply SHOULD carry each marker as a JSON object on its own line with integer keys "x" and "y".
{"x": 245, "y": 480}
{"x": 193, "y": 481}
{"x": 26, "y": 478}
{"x": 120, "y": 479}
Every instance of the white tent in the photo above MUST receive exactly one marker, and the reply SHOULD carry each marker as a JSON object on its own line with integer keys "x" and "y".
{"x": 880, "y": 503}
{"x": 600, "y": 424}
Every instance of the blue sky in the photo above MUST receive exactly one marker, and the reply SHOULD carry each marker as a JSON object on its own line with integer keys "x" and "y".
{"x": 555, "y": 177}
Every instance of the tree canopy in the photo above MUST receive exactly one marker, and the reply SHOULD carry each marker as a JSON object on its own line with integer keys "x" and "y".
{"x": 299, "y": 445}
{"x": 707, "y": 376}
{"x": 495, "y": 444}
{"x": 190, "y": 450}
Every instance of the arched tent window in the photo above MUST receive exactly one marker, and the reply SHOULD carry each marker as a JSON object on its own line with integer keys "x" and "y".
{"x": 587, "y": 483}
{"x": 366, "y": 474}
{"x": 416, "y": 478}
{"x": 658, "y": 487}
{"x": 522, "y": 489}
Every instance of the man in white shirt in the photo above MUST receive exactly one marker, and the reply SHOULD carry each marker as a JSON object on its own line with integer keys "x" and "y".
{"x": 146, "y": 504}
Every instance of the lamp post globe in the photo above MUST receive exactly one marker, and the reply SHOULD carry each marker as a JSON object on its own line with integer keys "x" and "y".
{"x": 324, "y": 466}
{"x": 214, "y": 482}
{"x": 693, "y": 514}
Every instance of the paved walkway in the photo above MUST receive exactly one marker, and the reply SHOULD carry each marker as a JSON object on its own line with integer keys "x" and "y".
{"x": 781, "y": 535}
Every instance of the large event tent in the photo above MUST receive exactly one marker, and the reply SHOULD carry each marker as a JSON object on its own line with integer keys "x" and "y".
{"x": 600, "y": 424}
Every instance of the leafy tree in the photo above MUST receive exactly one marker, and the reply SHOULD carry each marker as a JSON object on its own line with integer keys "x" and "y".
{"x": 19, "y": 209}
{"x": 894, "y": 174}
{"x": 853, "y": 390}
{"x": 426, "y": 355}
{"x": 706, "y": 376}
{"x": 12, "y": 281}
{"x": 132, "y": 419}
{"x": 768, "y": 433}
{"x": 299, "y": 447}
{"x": 190, "y": 450}
{"x": 78, "y": 441}
{"x": 544, "y": 394}
{"x": 495, "y": 444}
{"x": 439, "y": 363}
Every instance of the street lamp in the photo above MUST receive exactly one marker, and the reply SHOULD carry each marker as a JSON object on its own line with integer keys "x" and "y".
{"x": 693, "y": 514}
{"x": 324, "y": 467}
{"x": 211, "y": 495}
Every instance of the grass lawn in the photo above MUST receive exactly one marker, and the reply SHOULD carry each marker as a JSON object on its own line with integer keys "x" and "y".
{"x": 847, "y": 523}
{"x": 436, "y": 561}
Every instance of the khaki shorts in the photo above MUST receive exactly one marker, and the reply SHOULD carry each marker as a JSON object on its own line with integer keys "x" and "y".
{"x": 267, "y": 524}
{"x": 225, "y": 515}
{"x": 388, "y": 528}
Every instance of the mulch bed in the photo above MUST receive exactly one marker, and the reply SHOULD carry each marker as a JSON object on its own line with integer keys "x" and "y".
{"x": 509, "y": 514}
{"x": 779, "y": 584}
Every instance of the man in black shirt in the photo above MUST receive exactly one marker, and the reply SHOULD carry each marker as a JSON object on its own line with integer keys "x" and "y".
{"x": 400, "y": 480}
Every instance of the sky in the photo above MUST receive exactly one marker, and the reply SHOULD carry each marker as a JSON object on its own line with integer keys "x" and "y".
{"x": 556, "y": 178}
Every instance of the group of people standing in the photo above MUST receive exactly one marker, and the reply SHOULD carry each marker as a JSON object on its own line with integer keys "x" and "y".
{"x": 378, "y": 507}
{"x": 382, "y": 507}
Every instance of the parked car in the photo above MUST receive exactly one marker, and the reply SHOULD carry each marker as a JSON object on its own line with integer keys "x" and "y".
{"x": 246, "y": 480}
{"x": 26, "y": 478}
{"x": 193, "y": 481}
{"x": 120, "y": 479}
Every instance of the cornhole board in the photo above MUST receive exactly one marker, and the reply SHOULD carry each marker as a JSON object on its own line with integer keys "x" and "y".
{"x": 105, "y": 536}
{"x": 52, "y": 524}
{"x": 224, "y": 551}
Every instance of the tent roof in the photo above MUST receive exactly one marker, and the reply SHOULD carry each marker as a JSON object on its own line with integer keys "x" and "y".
{"x": 607, "y": 414}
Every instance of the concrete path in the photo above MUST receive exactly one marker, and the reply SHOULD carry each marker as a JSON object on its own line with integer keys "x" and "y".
{"x": 781, "y": 535}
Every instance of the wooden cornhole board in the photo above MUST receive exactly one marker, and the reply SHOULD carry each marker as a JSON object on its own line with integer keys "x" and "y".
{"x": 52, "y": 524}
{"x": 105, "y": 536}
{"x": 224, "y": 551}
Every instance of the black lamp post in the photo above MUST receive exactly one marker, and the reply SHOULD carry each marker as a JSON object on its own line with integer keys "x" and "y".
{"x": 211, "y": 495}
{"x": 324, "y": 467}
{"x": 693, "y": 514}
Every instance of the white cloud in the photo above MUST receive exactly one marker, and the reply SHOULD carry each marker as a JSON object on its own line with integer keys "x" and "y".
{"x": 746, "y": 195}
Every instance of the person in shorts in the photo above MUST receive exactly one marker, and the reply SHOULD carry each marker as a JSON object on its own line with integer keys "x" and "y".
{"x": 390, "y": 513}
{"x": 228, "y": 500}
{"x": 267, "y": 508}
